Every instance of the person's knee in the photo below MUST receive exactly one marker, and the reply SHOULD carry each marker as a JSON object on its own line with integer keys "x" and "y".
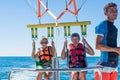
{"x": 39, "y": 76}
{"x": 50, "y": 74}
{"x": 40, "y": 73}
{"x": 74, "y": 76}
{"x": 82, "y": 76}
{"x": 46, "y": 78}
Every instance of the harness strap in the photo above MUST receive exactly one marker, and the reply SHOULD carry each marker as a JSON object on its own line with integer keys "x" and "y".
{"x": 49, "y": 53}
{"x": 77, "y": 49}
{"x": 78, "y": 60}
{"x": 45, "y": 55}
{"x": 78, "y": 55}
{"x": 85, "y": 52}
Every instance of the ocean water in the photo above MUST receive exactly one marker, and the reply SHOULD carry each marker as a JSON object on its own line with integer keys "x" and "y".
{"x": 8, "y": 63}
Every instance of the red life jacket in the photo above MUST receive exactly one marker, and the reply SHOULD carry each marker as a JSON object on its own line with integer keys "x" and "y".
{"x": 77, "y": 56}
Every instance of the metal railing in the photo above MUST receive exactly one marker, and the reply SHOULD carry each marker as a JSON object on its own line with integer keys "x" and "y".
{"x": 52, "y": 70}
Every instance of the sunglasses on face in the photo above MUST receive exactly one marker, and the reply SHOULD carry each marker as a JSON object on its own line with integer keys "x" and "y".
{"x": 44, "y": 42}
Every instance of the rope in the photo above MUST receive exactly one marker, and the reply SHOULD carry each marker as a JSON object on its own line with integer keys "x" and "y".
{"x": 50, "y": 35}
{"x": 39, "y": 19}
{"x": 82, "y": 5}
{"x": 84, "y": 50}
{"x": 83, "y": 30}
{"x": 67, "y": 33}
{"x": 83, "y": 33}
{"x": 47, "y": 3}
{"x": 34, "y": 33}
{"x": 66, "y": 3}
{"x": 67, "y": 55}
{"x": 76, "y": 16}
{"x": 30, "y": 6}
{"x": 35, "y": 52}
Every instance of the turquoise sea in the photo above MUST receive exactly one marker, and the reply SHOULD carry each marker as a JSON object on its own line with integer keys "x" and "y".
{"x": 8, "y": 63}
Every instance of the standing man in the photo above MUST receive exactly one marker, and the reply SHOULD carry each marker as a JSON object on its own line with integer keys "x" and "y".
{"x": 106, "y": 42}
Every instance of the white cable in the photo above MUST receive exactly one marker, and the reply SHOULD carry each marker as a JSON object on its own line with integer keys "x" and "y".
{"x": 49, "y": 12}
{"x": 43, "y": 4}
{"x": 52, "y": 15}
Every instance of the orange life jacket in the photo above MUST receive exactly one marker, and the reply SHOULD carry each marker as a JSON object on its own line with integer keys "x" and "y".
{"x": 77, "y": 55}
{"x": 45, "y": 54}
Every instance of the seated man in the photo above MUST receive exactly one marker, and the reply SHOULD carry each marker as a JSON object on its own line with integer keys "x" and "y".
{"x": 77, "y": 55}
{"x": 44, "y": 54}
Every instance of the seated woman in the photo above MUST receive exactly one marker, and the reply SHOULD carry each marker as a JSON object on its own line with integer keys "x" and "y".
{"x": 77, "y": 56}
{"x": 44, "y": 54}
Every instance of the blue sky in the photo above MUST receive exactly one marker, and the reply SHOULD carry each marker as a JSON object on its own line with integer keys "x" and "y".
{"x": 15, "y": 38}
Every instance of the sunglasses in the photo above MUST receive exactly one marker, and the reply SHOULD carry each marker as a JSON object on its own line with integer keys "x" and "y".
{"x": 44, "y": 42}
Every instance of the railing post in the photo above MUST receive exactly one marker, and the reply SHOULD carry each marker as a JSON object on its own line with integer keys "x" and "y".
{"x": 55, "y": 65}
{"x": 9, "y": 76}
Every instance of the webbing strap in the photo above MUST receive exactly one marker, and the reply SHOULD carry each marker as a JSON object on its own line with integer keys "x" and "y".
{"x": 67, "y": 55}
{"x": 83, "y": 30}
{"x": 67, "y": 31}
{"x": 34, "y": 32}
{"x": 85, "y": 52}
{"x": 50, "y": 32}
